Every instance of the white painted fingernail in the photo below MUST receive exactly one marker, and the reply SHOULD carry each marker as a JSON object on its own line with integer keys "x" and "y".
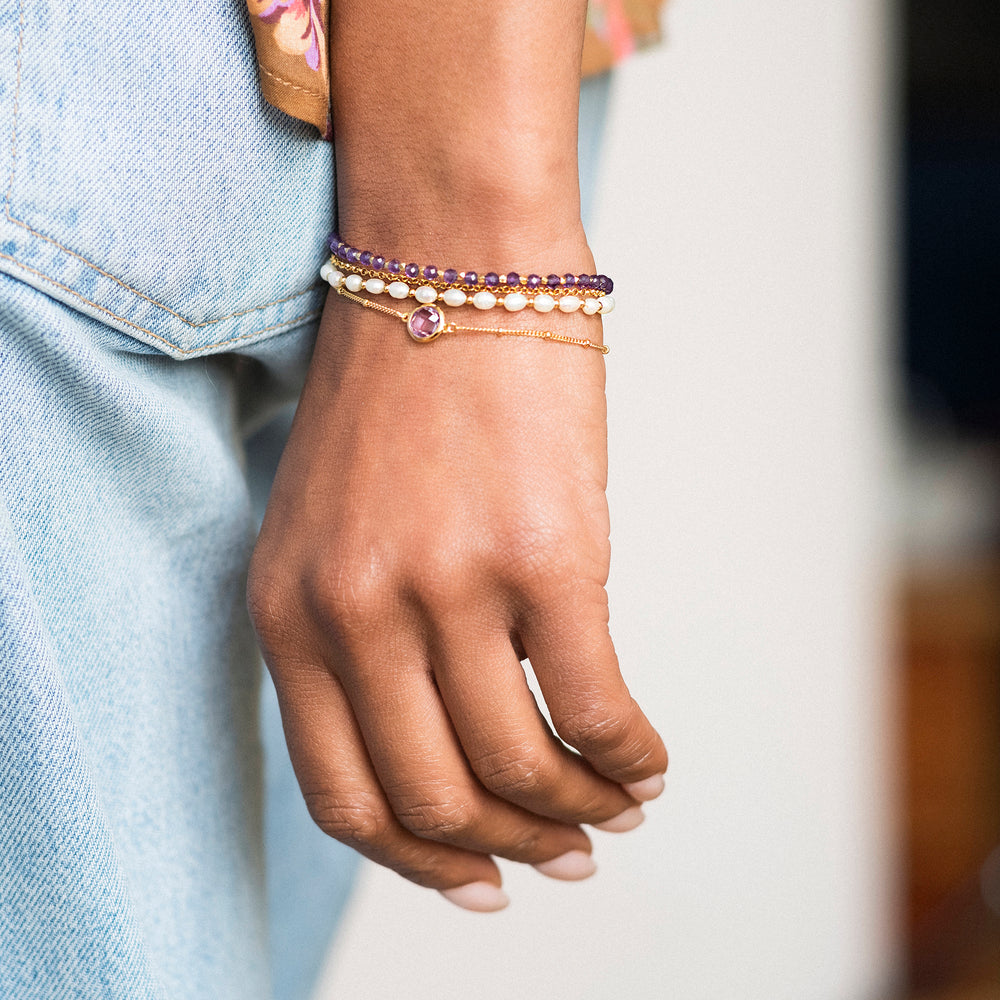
{"x": 623, "y": 822}
{"x": 570, "y": 867}
{"x": 481, "y": 897}
{"x": 647, "y": 789}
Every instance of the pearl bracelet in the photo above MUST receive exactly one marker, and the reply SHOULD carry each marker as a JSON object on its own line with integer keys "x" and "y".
{"x": 347, "y": 254}
{"x": 512, "y": 301}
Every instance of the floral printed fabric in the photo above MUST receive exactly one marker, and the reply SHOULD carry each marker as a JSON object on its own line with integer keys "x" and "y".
{"x": 291, "y": 48}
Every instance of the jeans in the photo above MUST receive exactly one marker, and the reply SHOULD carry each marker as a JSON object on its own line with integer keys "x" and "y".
{"x": 159, "y": 244}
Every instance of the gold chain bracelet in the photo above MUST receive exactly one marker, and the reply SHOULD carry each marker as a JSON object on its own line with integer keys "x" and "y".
{"x": 440, "y": 285}
{"x": 426, "y": 323}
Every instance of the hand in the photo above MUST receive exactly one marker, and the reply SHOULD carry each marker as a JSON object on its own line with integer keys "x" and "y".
{"x": 438, "y": 515}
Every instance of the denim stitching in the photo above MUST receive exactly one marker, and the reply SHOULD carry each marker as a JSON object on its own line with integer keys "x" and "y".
{"x": 295, "y": 321}
{"x": 94, "y": 267}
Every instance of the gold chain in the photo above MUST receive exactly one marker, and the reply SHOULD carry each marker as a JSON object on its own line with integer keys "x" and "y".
{"x": 439, "y": 284}
{"x": 558, "y": 338}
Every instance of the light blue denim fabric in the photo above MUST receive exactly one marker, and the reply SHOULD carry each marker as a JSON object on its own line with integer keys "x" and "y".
{"x": 159, "y": 242}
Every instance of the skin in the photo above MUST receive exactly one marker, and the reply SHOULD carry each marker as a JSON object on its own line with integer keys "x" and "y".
{"x": 439, "y": 512}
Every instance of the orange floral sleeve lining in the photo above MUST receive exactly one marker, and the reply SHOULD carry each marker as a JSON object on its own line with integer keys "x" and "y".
{"x": 290, "y": 36}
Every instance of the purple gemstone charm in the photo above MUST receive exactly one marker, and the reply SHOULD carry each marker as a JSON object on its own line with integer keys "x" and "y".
{"x": 393, "y": 266}
{"x": 569, "y": 280}
{"x": 450, "y": 276}
{"x": 534, "y": 280}
{"x": 430, "y": 272}
{"x": 366, "y": 258}
{"x": 471, "y": 278}
{"x": 412, "y": 270}
{"x": 425, "y": 323}
{"x": 378, "y": 262}
{"x": 552, "y": 281}
{"x": 512, "y": 280}
{"x": 491, "y": 280}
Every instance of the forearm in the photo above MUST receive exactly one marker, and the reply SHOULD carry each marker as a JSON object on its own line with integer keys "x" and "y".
{"x": 455, "y": 131}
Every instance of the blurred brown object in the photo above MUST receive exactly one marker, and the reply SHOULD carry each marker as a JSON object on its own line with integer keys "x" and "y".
{"x": 950, "y": 646}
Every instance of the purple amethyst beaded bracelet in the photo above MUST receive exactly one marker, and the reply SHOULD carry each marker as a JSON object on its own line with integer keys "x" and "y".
{"x": 600, "y": 283}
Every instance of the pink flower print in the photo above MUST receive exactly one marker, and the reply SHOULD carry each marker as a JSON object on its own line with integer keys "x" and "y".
{"x": 298, "y": 27}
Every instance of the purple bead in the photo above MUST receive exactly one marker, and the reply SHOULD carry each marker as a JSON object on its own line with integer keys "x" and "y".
{"x": 430, "y": 272}
{"x": 492, "y": 279}
{"x": 569, "y": 280}
{"x": 353, "y": 253}
{"x": 393, "y": 266}
{"x": 366, "y": 258}
{"x": 608, "y": 285}
{"x": 513, "y": 279}
{"x": 412, "y": 270}
{"x": 583, "y": 280}
{"x": 471, "y": 278}
{"x": 332, "y": 242}
{"x": 450, "y": 276}
{"x": 552, "y": 281}
{"x": 378, "y": 262}
{"x": 534, "y": 280}
{"x": 342, "y": 252}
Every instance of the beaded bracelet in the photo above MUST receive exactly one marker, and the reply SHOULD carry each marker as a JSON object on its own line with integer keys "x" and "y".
{"x": 471, "y": 279}
{"x": 512, "y": 301}
{"x": 427, "y": 323}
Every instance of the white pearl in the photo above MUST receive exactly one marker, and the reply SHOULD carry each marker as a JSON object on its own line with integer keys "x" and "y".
{"x": 454, "y": 297}
{"x": 591, "y": 306}
{"x": 375, "y": 285}
{"x": 514, "y": 301}
{"x": 336, "y": 278}
{"x": 354, "y": 282}
{"x": 398, "y": 289}
{"x": 544, "y": 303}
{"x": 425, "y": 294}
{"x": 607, "y": 304}
{"x": 484, "y": 300}
{"x": 569, "y": 304}
{"x": 325, "y": 271}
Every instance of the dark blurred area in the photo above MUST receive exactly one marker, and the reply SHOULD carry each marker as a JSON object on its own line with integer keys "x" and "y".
{"x": 952, "y": 211}
{"x": 950, "y": 608}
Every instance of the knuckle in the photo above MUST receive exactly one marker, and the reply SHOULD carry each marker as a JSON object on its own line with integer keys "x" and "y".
{"x": 350, "y": 597}
{"x": 359, "y": 822}
{"x": 594, "y": 730}
{"x": 444, "y": 818}
{"x": 511, "y": 772}
{"x": 267, "y": 600}
{"x": 527, "y": 845}
{"x": 344, "y": 590}
{"x": 441, "y": 576}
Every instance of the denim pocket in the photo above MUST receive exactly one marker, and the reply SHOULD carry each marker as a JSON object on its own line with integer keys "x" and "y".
{"x": 147, "y": 184}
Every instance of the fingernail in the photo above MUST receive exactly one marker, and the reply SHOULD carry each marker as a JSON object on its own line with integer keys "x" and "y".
{"x": 623, "y": 822}
{"x": 571, "y": 866}
{"x": 647, "y": 789}
{"x": 481, "y": 897}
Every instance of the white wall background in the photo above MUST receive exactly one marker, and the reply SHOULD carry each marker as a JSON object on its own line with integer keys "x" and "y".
{"x": 751, "y": 457}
